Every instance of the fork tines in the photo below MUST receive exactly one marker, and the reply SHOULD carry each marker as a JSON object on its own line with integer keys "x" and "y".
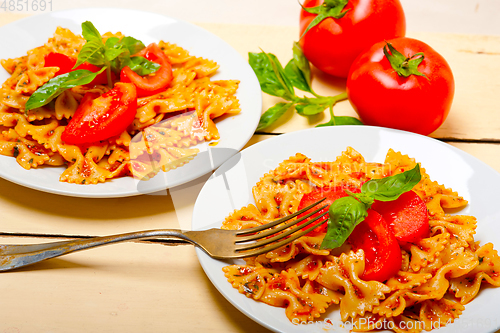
{"x": 274, "y": 236}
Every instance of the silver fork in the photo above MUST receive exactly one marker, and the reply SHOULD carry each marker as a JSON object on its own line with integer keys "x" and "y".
{"x": 217, "y": 243}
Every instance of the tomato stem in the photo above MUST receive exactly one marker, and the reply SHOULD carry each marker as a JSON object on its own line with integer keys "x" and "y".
{"x": 403, "y": 66}
{"x": 329, "y": 8}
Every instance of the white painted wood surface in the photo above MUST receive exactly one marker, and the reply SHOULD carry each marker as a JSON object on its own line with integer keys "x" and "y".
{"x": 138, "y": 287}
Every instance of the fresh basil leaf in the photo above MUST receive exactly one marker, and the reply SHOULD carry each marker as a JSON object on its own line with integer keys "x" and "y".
{"x": 280, "y": 74}
{"x": 93, "y": 53}
{"x": 310, "y": 109}
{"x": 90, "y": 33}
{"x": 273, "y": 114}
{"x": 271, "y": 75}
{"x": 296, "y": 76}
{"x": 111, "y": 54}
{"x": 298, "y": 70}
{"x": 140, "y": 65}
{"x": 345, "y": 214}
{"x": 390, "y": 188}
{"x": 119, "y": 62}
{"x": 111, "y": 43}
{"x": 341, "y": 120}
{"x": 115, "y": 46}
{"x": 131, "y": 44}
{"x": 55, "y": 86}
{"x": 301, "y": 62}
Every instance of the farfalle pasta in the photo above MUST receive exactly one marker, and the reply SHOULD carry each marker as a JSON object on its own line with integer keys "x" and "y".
{"x": 166, "y": 127}
{"x": 439, "y": 274}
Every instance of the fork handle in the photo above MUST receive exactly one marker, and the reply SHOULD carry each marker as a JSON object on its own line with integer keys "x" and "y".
{"x": 15, "y": 256}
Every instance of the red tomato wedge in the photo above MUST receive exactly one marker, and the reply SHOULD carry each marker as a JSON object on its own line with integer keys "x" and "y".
{"x": 331, "y": 194}
{"x": 155, "y": 82}
{"x": 103, "y": 117}
{"x": 382, "y": 252}
{"x": 65, "y": 63}
{"x": 407, "y": 217}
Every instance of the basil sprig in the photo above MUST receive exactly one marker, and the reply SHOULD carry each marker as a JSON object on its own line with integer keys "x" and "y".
{"x": 113, "y": 55}
{"x": 347, "y": 212}
{"x": 55, "y": 86}
{"x": 278, "y": 81}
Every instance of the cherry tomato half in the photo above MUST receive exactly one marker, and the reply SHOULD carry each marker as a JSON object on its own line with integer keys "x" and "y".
{"x": 155, "y": 82}
{"x": 382, "y": 97}
{"x": 103, "y": 117}
{"x": 333, "y": 45}
{"x": 382, "y": 252}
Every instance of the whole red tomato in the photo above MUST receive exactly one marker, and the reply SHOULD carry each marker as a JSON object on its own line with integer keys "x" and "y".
{"x": 383, "y": 97}
{"x": 333, "y": 45}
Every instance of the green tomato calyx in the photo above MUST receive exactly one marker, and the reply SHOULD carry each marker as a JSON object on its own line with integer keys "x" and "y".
{"x": 329, "y": 8}
{"x": 404, "y": 66}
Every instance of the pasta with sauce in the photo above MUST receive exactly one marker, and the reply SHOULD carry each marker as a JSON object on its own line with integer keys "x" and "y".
{"x": 161, "y": 137}
{"x": 438, "y": 275}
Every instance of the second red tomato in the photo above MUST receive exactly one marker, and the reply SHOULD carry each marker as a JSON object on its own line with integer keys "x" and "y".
{"x": 333, "y": 44}
{"x": 382, "y": 96}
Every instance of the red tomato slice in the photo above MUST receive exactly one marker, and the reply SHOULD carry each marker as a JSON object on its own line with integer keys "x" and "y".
{"x": 331, "y": 194}
{"x": 382, "y": 252}
{"x": 65, "y": 63}
{"x": 103, "y": 117}
{"x": 155, "y": 82}
{"x": 407, "y": 217}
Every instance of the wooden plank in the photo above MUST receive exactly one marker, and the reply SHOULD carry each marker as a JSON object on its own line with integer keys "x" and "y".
{"x": 125, "y": 287}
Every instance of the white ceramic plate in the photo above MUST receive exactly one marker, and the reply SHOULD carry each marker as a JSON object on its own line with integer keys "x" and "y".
{"x": 25, "y": 34}
{"x": 231, "y": 189}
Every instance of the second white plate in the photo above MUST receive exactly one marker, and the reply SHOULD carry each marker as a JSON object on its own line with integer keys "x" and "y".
{"x": 235, "y": 131}
{"x": 231, "y": 188}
